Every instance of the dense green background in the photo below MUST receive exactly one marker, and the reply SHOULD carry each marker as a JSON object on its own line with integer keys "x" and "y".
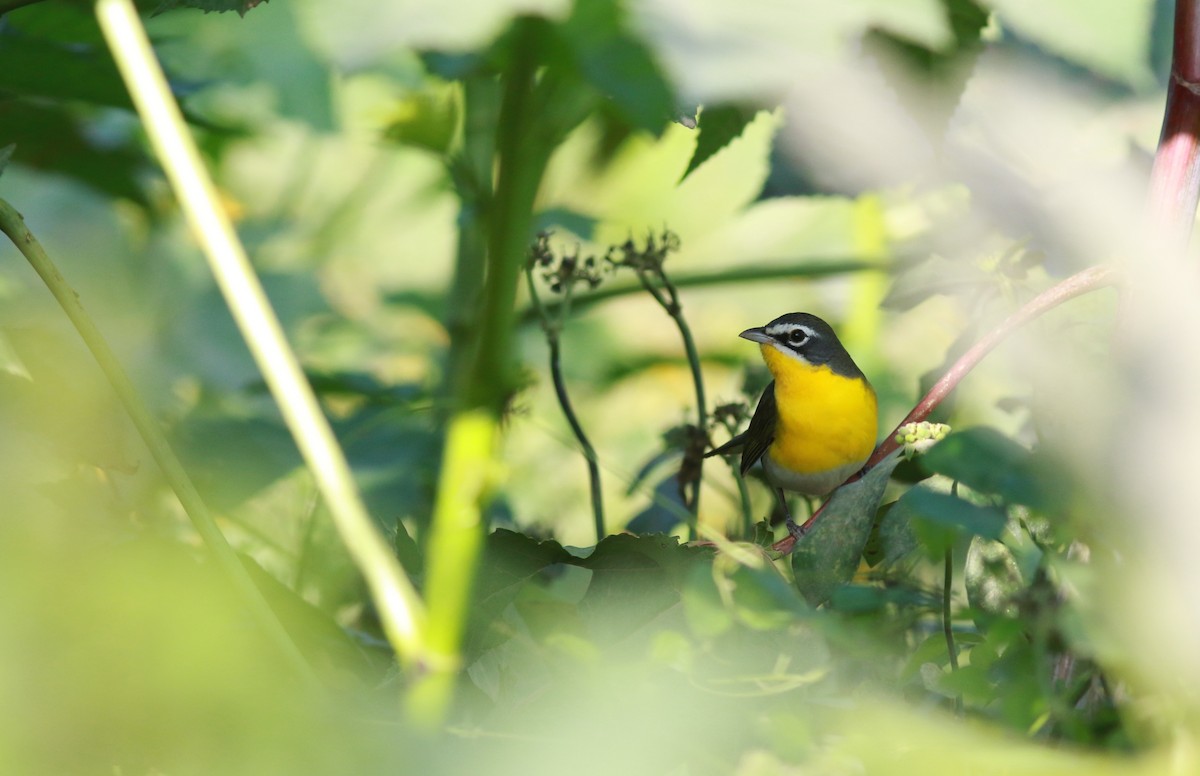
{"x": 967, "y": 153}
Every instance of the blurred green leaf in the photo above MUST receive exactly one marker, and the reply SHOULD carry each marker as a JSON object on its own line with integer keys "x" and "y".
{"x": 762, "y": 599}
{"x": 427, "y": 118}
{"x": 947, "y": 511}
{"x": 617, "y": 64}
{"x": 930, "y": 79}
{"x": 55, "y": 139}
{"x": 1112, "y": 37}
{"x": 231, "y": 459}
{"x": 706, "y": 613}
{"x": 220, "y": 6}
{"x": 992, "y": 579}
{"x": 986, "y": 461}
{"x": 718, "y": 51}
{"x": 47, "y": 71}
{"x": 6, "y": 155}
{"x": 828, "y": 556}
{"x": 359, "y": 34}
{"x": 719, "y": 126}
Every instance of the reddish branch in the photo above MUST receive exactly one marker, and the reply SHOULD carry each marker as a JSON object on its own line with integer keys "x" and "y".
{"x": 1175, "y": 179}
{"x": 1080, "y": 283}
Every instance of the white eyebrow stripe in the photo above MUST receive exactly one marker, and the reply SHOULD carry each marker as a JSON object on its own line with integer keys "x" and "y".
{"x": 787, "y": 328}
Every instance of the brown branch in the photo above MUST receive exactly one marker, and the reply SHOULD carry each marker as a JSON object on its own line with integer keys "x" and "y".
{"x": 1080, "y": 283}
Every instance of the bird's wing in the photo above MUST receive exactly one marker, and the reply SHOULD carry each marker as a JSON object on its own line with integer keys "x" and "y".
{"x": 761, "y": 432}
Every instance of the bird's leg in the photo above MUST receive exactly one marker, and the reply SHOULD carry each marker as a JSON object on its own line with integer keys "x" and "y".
{"x": 793, "y": 529}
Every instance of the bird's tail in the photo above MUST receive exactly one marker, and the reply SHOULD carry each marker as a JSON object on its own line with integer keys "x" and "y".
{"x": 734, "y": 445}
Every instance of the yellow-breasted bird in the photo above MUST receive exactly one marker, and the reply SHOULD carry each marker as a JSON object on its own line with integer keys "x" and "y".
{"x": 816, "y": 423}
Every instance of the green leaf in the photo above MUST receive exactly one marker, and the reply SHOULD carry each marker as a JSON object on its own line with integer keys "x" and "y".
{"x": 6, "y": 155}
{"x": 427, "y": 118}
{"x": 39, "y": 69}
{"x": 719, "y": 125}
{"x": 705, "y": 611}
{"x": 617, "y": 64}
{"x": 357, "y": 34}
{"x": 318, "y": 635}
{"x": 762, "y": 599}
{"x": 53, "y": 139}
{"x": 992, "y": 579}
{"x": 233, "y": 458}
{"x": 718, "y": 51}
{"x": 828, "y": 556}
{"x": 891, "y": 537}
{"x": 986, "y": 461}
{"x": 510, "y": 560}
{"x": 948, "y": 511}
{"x": 220, "y": 6}
{"x": 930, "y": 79}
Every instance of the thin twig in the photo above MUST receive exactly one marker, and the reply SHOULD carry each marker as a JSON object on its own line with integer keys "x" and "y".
{"x": 552, "y": 326}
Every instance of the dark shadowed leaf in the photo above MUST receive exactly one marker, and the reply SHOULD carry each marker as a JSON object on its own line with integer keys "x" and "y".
{"x": 719, "y": 126}
{"x": 40, "y": 69}
{"x": 53, "y": 139}
{"x": 891, "y": 536}
{"x": 220, "y": 6}
{"x": 827, "y": 557}
{"x": 948, "y": 511}
{"x": 617, "y": 64}
{"x": 665, "y": 511}
{"x": 232, "y": 458}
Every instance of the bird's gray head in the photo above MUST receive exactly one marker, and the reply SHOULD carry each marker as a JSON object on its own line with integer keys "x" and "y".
{"x": 807, "y": 337}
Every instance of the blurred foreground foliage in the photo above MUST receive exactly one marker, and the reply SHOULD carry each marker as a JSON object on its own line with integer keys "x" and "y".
{"x": 354, "y": 144}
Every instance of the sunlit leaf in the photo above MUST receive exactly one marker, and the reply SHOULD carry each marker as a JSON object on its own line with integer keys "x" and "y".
{"x": 1112, "y": 37}
{"x": 719, "y": 125}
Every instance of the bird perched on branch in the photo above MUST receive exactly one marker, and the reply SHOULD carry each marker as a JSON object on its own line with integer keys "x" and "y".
{"x": 816, "y": 423}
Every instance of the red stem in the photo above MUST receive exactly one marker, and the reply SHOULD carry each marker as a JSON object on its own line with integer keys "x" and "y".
{"x": 1080, "y": 283}
{"x": 1175, "y": 178}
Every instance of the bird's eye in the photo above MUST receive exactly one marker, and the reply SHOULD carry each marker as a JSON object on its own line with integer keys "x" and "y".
{"x": 797, "y": 337}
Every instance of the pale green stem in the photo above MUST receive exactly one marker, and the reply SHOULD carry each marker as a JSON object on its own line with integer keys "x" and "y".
{"x": 400, "y": 608}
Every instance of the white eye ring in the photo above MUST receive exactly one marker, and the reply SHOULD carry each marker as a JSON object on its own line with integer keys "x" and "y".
{"x": 797, "y": 337}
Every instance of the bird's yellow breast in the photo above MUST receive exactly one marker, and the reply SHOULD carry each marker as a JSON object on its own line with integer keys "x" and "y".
{"x": 826, "y": 420}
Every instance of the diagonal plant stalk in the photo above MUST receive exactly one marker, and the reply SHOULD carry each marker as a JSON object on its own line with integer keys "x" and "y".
{"x": 12, "y": 225}
{"x": 1088, "y": 280}
{"x": 400, "y": 608}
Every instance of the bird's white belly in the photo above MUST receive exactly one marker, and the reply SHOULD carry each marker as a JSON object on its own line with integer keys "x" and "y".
{"x": 811, "y": 483}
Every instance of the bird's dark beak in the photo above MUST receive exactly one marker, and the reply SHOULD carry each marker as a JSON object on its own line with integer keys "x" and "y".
{"x": 755, "y": 335}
